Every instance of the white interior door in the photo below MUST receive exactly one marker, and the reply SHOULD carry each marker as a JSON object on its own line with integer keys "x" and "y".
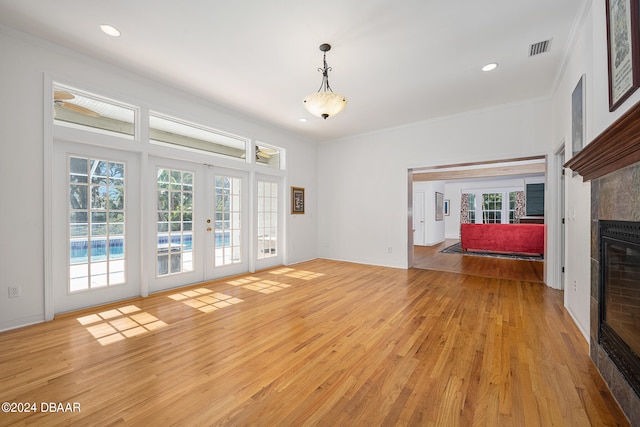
{"x": 96, "y": 229}
{"x": 418, "y": 218}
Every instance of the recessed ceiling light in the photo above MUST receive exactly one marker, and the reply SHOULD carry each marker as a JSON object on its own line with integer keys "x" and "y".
{"x": 490, "y": 67}
{"x": 109, "y": 30}
{"x": 303, "y": 120}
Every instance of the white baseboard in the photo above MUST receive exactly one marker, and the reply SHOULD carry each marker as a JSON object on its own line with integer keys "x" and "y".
{"x": 21, "y": 322}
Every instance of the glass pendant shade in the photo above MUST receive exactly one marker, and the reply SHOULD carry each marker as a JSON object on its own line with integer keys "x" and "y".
{"x": 325, "y": 104}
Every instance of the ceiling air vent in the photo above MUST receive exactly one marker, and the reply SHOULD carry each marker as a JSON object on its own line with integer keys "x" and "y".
{"x": 540, "y": 47}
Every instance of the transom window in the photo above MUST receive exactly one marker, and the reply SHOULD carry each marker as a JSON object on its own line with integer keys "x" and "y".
{"x": 81, "y": 110}
{"x": 78, "y": 109}
{"x": 96, "y": 223}
{"x": 179, "y": 133}
{"x": 269, "y": 156}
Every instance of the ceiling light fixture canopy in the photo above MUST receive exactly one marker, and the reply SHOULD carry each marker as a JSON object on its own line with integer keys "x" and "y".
{"x": 325, "y": 103}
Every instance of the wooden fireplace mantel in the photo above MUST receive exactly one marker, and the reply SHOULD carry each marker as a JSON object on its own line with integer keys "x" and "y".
{"x": 616, "y": 147}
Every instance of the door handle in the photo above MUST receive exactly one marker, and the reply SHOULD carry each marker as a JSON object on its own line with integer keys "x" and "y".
{"x": 208, "y": 228}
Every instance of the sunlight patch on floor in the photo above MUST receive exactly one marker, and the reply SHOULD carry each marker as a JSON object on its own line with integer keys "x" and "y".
{"x": 118, "y": 324}
{"x": 298, "y": 274}
{"x": 205, "y": 299}
{"x": 266, "y": 286}
{"x": 244, "y": 281}
{"x": 260, "y": 285}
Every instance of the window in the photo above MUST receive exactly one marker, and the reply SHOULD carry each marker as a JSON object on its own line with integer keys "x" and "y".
{"x": 96, "y": 223}
{"x": 267, "y": 219}
{"x": 174, "y": 221}
{"x": 187, "y": 135}
{"x": 472, "y": 208}
{"x": 227, "y": 220}
{"x": 81, "y": 110}
{"x": 269, "y": 156}
{"x": 92, "y": 192}
{"x": 492, "y": 208}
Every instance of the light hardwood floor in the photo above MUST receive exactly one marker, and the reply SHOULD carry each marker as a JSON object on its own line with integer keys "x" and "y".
{"x": 318, "y": 343}
{"x": 430, "y": 257}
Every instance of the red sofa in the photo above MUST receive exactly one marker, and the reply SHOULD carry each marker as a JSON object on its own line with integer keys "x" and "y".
{"x": 520, "y": 238}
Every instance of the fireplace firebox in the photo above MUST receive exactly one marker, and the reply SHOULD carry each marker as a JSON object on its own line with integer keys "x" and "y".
{"x": 619, "y": 301}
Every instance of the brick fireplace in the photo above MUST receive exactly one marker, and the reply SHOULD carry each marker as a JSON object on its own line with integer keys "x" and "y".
{"x": 612, "y": 163}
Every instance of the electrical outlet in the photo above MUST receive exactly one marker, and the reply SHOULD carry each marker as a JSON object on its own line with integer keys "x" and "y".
{"x": 14, "y": 291}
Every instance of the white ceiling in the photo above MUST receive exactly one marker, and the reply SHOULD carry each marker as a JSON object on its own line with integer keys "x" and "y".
{"x": 396, "y": 61}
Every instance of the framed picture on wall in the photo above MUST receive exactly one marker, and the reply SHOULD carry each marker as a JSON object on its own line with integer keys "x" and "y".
{"x": 622, "y": 50}
{"x": 577, "y": 116}
{"x": 439, "y": 206}
{"x": 297, "y": 200}
{"x": 446, "y": 207}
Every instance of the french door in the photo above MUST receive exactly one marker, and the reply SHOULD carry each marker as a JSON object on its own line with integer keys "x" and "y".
{"x": 124, "y": 229}
{"x": 96, "y": 231}
{"x": 199, "y": 228}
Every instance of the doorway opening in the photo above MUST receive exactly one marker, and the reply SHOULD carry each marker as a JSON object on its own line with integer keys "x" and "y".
{"x": 442, "y": 229}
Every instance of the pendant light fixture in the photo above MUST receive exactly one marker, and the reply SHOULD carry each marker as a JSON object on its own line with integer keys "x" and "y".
{"x": 325, "y": 103}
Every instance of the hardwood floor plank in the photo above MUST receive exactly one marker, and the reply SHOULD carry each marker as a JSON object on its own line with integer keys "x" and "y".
{"x": 318, "y": 343}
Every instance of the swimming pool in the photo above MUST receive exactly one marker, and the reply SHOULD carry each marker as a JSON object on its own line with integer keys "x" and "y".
{"x": 115, "y": 246}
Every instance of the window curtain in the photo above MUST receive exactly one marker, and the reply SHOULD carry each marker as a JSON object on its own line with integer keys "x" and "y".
{"x": 520, "y": 208}
{"x": 464, "y": 209}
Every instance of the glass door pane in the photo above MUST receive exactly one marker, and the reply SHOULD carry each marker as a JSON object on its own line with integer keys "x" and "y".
{"x": 228, "y": 230}
{"x": 97, "y": 242}
{"x": 174, "y": 216}
{"x": 227, "y": 219}
{"x": 175, "y": 223}
{"x": 268, "y": 222}
{"x": 267, "y": 219}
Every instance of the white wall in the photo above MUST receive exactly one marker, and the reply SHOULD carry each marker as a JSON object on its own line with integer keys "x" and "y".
{"x": 362, "y": 181}
{"x": 25, "y": 61}
{"x": 577, "y": 211}
{"x": 589, "y": 57}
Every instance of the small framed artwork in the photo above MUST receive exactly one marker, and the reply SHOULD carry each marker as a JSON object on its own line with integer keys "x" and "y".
{"x": 622, "y": 49}
{"x": 297, "y": 200}
{"x": 577, "y": 116}
{"x": 439, "y": 206}
{"x": 446, "y": 207}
